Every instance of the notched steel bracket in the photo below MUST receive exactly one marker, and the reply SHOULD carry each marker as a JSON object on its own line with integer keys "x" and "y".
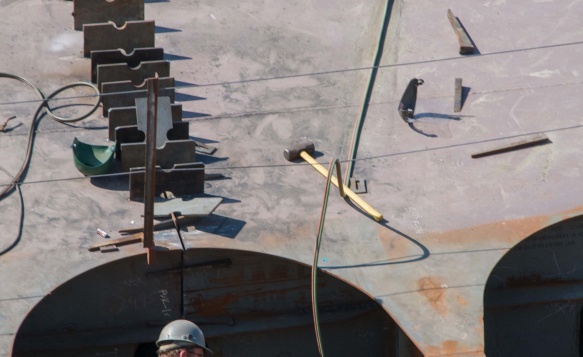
{"x": 358, "y": 185}
{"x": 132, "y": 59}
{"x": 126, "y": 116}
{"x": 99, "y": 11}
{"x": 124, "y": 93}
{"x": 107, "y": 36}
{"x": 116, "y": 72}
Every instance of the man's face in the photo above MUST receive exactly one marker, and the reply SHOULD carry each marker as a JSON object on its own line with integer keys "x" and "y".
{"x": 192, "y": 352}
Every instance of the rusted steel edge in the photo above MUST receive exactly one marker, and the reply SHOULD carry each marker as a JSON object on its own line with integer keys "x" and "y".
{"x": 150, "y": 182}
{"x": 533, "y": 141}
{"x": 131, "y": 239}
{"x": 457, "y": 103}
{"x": 466, "y": 45}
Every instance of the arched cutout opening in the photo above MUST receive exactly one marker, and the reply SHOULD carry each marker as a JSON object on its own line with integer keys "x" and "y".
{"x": 534, "y": 295}
{"x": 248, "y": 304}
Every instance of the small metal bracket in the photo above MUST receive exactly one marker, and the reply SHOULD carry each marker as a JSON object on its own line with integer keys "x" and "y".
{"x": 466, "y": 45}
{"x": 358, "y": 185}
{"x": 202, "y": 148}
{"x": 409, "y": 99}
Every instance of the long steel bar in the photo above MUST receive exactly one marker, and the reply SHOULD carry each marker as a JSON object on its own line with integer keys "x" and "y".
{"x": 150, "y": 184}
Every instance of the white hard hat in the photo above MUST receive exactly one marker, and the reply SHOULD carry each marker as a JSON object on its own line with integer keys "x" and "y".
{"x": 181, "y": 334}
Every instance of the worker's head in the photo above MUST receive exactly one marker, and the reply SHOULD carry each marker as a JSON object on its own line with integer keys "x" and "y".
{"x": 182, "y": 338}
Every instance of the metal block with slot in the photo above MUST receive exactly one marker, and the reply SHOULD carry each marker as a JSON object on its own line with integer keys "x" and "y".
{"x": 131, "y": 134}
{"x": 185, "y": 179}
{"x": 99, "y": 11}
{"x": 173, "y": 152}
{"x": 116, "y": 72}
{"x": 126, "y": 116}
{"x": 124, "y": 93}
{"x": 107, "y": 36}
{"x": 132, "y": 59}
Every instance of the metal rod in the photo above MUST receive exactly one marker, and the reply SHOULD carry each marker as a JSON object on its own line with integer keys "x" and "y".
{"x": 150, "y": 184}
{"x": 522, "y": 144}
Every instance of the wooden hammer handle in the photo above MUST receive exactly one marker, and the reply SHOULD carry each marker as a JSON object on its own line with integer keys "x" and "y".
{"x": 353, "y": 196}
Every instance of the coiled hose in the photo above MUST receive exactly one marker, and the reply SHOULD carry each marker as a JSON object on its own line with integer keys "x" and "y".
{"x": 16, "y": 179}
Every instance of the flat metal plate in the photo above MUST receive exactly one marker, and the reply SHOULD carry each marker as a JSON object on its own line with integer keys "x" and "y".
{"x": 132, "y": 59}
{"x": 174, "y": 152}
{"x": 180, "y": 182}
{"x": 124, "y": 93}
{"x": 107, "y": 36}
{"x": 127, "y": 116}
{"x": 163, "y": 118}
{"x": 131, "y": 134}
{"x": 99, "y": 11}
{"x": 186, "y": 206}
{"x": 116, "y": 72}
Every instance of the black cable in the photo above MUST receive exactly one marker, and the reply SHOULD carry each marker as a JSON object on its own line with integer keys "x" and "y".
{"x": 20, "y": 219}
{"x": 405, "y": 64}
{"x": 36, "y": 120}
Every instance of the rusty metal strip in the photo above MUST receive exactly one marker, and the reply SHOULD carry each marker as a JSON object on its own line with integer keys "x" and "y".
{"x": 457, "y": 101}
{"x": 107, "y": 36}
{"x": 522, "y": 144}
{"x": 99, "y": 11}
{"x": 466, "y": 45}
{"x": 132, "y": 59}
{"x": 131, "y": 239}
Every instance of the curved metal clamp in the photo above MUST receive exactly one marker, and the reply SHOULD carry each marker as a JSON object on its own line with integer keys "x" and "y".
{"x": 409, "y": 99}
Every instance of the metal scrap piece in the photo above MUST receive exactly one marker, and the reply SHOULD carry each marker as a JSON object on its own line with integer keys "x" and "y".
{"x": 466, "y": 45}
{"x": 538, "y": 139}
{"x": 99, "y": 11}
{"x": 132, "y": 59}
{"x": 457, "y": 101}
{"x": 107, "y": 36}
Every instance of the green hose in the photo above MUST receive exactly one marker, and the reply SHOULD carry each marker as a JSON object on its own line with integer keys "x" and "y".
{"x": 368, "y": 93}
{"x": 336, "y": 163}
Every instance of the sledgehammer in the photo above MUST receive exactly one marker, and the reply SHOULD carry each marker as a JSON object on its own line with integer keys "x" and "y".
{"x": 304, "y": 150}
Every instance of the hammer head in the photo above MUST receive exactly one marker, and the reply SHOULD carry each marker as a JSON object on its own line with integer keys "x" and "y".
{"x": 293, "y": 153}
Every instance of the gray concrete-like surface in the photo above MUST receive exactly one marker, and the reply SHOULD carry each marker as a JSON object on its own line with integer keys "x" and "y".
{"x": 246, "y": 66}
